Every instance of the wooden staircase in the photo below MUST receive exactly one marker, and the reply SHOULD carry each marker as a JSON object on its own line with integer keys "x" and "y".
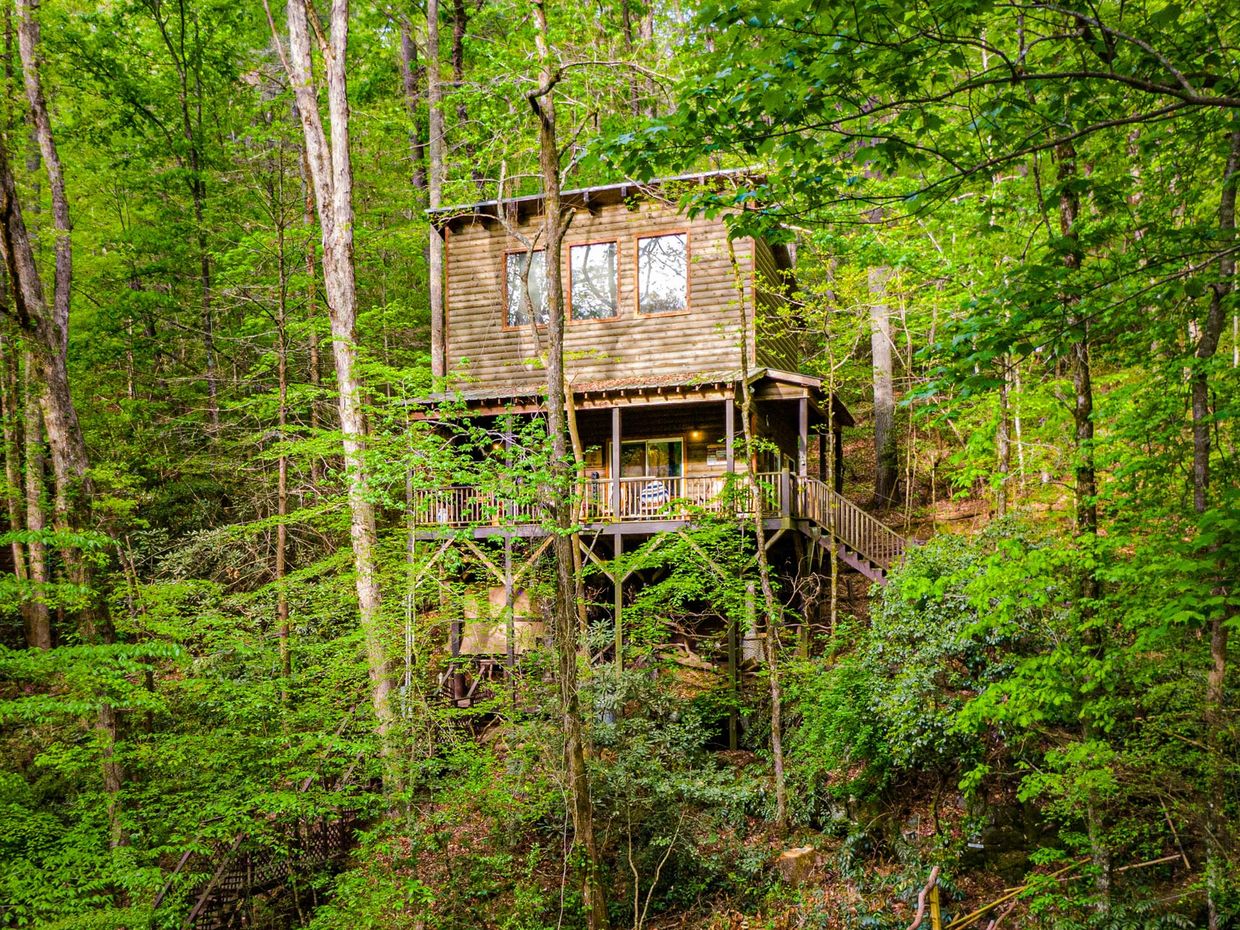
{"x": 250, "y": 871}
{"x": 837, "y": 524}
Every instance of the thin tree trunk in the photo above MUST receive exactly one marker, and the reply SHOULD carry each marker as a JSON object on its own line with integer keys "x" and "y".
{"x": 47, "y": 331}
{"x": 887, "y": 459}
{"x": 770, "y": 605}
{"x": 410, "y": 75}
{"x": 332, "y": 177}
{"x": 312, "y": 312}
{"x": 282, "y": 612}
{"x": 1207, "y": 346}
{"x": 1003, "y": 445}
{"x": 564, "y": 619}
{"x": 9, "y": 407}
{"x": 1086, "y": 481}
{"x": 1082, "y": 378}
{"x": 435, "y": 149}
{"x": 35, "y": 610}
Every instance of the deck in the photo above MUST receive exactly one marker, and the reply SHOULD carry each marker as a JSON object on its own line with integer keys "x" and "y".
{"x": 645, "y": 505}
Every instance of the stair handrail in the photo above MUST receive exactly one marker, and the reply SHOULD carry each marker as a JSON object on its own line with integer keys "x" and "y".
{"x": 860, "y": 531}
{"x": 241, "y": 836}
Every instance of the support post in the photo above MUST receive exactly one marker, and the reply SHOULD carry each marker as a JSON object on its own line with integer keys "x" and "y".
{"x": 509, "y": 620}
{"x": 802, "y": 437}
{"x": 839, "y": 461}
{"x": 734, "y": 684}
{"x": 785, "y": 492}
{"x": 729, "y": 432}
{"x": 615, "y": 465}
{"x": 822, "y": 456}
{"x": 617, "y": 578}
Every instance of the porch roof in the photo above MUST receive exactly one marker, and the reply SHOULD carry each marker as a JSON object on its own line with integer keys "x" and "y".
{"x": 768, "y": 384}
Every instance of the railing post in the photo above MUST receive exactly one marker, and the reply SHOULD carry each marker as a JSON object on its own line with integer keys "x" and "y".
{"x": 615, "y": 463}
{"x": 785, "y": 493}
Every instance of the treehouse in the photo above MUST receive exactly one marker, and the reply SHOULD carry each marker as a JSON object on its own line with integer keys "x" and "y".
{"x": 666, "y": 325}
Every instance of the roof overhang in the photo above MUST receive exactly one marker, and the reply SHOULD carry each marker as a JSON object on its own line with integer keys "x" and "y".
{"x": 768, "y": 385}
{"x": 588, "y": 198}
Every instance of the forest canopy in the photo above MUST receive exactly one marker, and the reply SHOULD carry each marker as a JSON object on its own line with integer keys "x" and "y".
{"x": 936, "y": 627}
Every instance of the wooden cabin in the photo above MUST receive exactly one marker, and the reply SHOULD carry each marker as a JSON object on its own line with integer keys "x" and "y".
{"x": 659, "y": 309}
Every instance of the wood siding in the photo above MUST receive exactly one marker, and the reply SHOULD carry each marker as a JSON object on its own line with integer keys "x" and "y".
{"x": 776, "y": 342}
{"x": 483, "y": 351}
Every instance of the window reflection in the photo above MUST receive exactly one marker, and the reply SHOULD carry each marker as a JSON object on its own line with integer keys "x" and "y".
{"x": 518, "y": 313}
{"x": 663, "y": 274}
{"x": 594, "y": 280}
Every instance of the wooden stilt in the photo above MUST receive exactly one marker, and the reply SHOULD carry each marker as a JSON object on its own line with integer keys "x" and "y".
{"x": 510, "y": 622}
{"x": 734, "y": 684}
{"x": 617, "y": 579}
{"x": 802, "y": 437}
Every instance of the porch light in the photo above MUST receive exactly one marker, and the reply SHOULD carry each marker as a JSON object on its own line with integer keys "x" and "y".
{"x": 696, "y": 435}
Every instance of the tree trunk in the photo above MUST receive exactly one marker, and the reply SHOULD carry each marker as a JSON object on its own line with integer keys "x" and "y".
{"x": 770, "y": 605}
{"x": 410, "y": 75}
{"x": 282, "y": 613}
{"x": 312, "y": 312}
{"x": 1003, "y": 444}
{"x": 887, "y": 459}
{"x": 564, "y": 619}
{"x": 1082, "y": 379}
{"x": 47, "y": 333}
{"x": 332, "y": 177}
{"x": 35, "y": 610}
{"x": 1207, "y": 346}
{"x": 1086, "y": 483}
{"x": 435, "y": 148}
{"x": 11, "y": 430}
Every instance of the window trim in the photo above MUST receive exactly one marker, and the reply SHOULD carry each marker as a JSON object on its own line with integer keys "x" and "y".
{"x": 637, "y": 272}
{"x": 517, "y": 327}
{"x": 570, "y": 319}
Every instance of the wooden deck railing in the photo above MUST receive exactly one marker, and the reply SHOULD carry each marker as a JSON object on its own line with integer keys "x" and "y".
{"x": 645, "y": 499}
{"x": 641, "y": 499}
{"x": 847, "y": 522}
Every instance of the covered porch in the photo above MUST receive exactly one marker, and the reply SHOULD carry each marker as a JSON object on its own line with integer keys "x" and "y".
{"x": 664, "y": 450}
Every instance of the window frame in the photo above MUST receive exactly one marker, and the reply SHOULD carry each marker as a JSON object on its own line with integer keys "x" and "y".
{"x": 571, "y": 319}
{"x": 516, "y": 327}
{"x": 637, "y": 272}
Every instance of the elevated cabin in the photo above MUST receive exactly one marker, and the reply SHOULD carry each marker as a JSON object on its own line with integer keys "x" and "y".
{"x": 659, "y": 309}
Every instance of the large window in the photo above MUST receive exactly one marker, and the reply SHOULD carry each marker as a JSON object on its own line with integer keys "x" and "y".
{"x": 518, "y": 310}
{"x": 593, "y": 269}
{"x": 663, "y": 274}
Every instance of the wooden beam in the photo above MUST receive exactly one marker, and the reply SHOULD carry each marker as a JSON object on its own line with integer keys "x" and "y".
{"x": 802, "y": 437}
{"x": 618, "y": 582}
{"x": 510, "y": 626}
{"x": 615, "y": 463}
{"x": 484, "y": 559}
{"x": 529, "y": 563}
{"x": 839, "y": 461}
{"x": 430, "y": 563}
{"x": 729, "y": 431}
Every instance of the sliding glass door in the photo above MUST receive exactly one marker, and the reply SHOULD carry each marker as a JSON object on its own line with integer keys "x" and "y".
{"x": 652, "y": 458}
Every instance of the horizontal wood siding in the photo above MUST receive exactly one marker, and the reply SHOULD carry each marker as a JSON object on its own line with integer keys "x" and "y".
{"x": 776, "y": 343}
{"x": 482, "y": 351}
